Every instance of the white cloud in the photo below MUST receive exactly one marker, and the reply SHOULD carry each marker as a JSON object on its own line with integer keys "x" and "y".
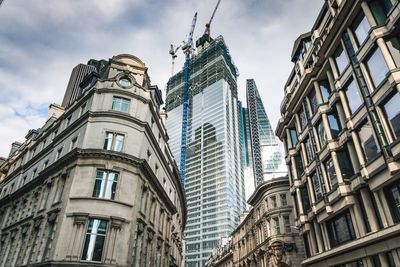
{"x": 41, "y": 41}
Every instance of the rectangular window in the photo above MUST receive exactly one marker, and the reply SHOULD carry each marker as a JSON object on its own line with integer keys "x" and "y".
{"x": 368, "y": 141}
{"x": 360, "y": 28}
{"x": 354, "y": 97}
{"x": 340, "y": 229}
{"x": 314, "y": 102}
{"x": 273, "y": 202}
{"x": 334, "y": 125}
{"x": 309, "y": 150}
{"x": 105, "y": 184}
{"x": 113, "y": 141}
{"x": 299, "y": 166}
{"x": 392, "y": 193}
{"x": 293, "y": 136}
{"x": 394, "y": 47}
{"x": 330, "y": 171}
{"x": 283, "y": 200}
{"x": 380, "y": 10}
{"x": 277, "y": 228}
{"x": 305, "y": 198}
{"x": 346, "y": 168}
{"x": 340, "y": 59}
{"x": 94, "y": 241}
{"x": 303, "y": 119}
{"x": 317, "y": 186}
{"x": 377, "y": 67}
{"x": 286, "y": 219}
{"x": 325, "y": 89}
{"x": 392, "y": 113}
{"x": 120, "y": 104}
{"x": 321, "y": 134}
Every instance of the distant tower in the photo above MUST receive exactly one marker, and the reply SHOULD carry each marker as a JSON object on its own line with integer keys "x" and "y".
{"x": 214, "y": 174}
{"x": 267, "y": 157}
{"x": 77, "y": 76}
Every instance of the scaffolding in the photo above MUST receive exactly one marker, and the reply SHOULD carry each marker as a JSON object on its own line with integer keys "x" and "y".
{"x": 209, "y": 66}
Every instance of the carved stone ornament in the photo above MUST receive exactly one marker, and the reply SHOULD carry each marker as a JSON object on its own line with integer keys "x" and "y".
{"x": 277, "y": 252}
{"x": 141, "y": 226}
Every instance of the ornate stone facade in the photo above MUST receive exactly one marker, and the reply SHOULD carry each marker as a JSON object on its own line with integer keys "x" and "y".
{"x": 97, "y": 184}
{"x": 266, "y": 236}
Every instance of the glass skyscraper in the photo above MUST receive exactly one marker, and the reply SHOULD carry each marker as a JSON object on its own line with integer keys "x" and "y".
{"x": 214, "y": 183}
{"x": 266, "y": 154}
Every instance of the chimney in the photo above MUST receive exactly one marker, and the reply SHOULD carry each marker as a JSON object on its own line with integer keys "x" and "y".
{"x": 14, "y": 147}
{"x": 55, "y": 111}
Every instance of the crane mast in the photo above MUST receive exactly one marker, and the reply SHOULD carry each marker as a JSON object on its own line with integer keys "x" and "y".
{"x": 187, "y": 50}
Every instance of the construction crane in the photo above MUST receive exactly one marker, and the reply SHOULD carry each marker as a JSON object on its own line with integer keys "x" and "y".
{"x": 172, "y": 52}
{"x": 187, "y": 50}
{"x": 208, "y": 25}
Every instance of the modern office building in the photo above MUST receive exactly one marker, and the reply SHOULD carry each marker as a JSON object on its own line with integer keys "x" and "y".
{"x": 341, "y": 129}
{"x": 214, "y": 183}
{"x": 247, "y": 161}
{"x": 266, "y": 236}
{"x": 97, "y": 184}
{"x": 267, "y": 158}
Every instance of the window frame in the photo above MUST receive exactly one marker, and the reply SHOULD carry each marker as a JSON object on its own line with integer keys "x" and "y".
{"x": 105, "y": 183}
{"x": 120, "y": 103}
{"x": 114, "y": 141}
{"x": 96, "y": 234}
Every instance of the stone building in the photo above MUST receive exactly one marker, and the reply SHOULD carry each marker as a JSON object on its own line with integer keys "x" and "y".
{"x": 341, "y": 128}
{"x": 266, "y": 236}
{"x": 97, "y": 183}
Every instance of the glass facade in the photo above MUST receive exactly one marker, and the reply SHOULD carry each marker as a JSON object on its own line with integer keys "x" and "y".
{"x": 214, "y": 185}
{"x": 268, "y": 159}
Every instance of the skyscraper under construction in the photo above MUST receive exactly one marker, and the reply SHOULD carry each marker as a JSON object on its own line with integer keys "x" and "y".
{"x": 214, "y": 182}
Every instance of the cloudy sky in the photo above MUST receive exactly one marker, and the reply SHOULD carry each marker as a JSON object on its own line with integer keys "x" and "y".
{"x": 42, "y": 40}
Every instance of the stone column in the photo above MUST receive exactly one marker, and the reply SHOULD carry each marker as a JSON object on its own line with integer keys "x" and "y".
{"x": 318, "y": 234}
{"x": 337, "y": 167}
{"x": 326, "y": 126}
{"x": 358, "y": 148}
{"x": 318, "y": 94}
{"x": 383, "y": 260}
{"x": 386, "y": 54}
{"x": 380, "y": 209}
{"x": 335, "y": 71}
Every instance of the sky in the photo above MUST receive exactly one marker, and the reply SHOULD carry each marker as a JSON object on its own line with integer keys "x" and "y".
{"x": 42, "y": 40}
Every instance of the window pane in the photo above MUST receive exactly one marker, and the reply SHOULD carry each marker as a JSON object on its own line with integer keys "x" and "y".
{"x": 304, "y": 198}
{"x": 94, "y": 241}
{"x": 368, "y": 142}
{"x": 361, "y": 28}
{"x": 392, "y": 111}
{"x": 317, "y": 186}
{"x": 314, "y": 102}
{"x": 299, "y": 166}
{"x": 119, "y": 140}
{"x": 303, "y": 118}
{"x": 293, "y": 136}
{"x": 120, "y": 104}
{"x": 346, "y": 167}
{"x": 108, "y": 141}
{"x": 341, "y": 59}
{"x": 377, "y": 67}
{"x": 330, "y": 170}
{"x": 325, "y": 90}
{"x": 334, "y": 125}
{"x": 392, "y": 193}
{"x": 380, "y": 9}
{"x": 353, "y": 96}
{"x": 394, "y": 48}
{"x": 340, "y": 229}
{"x": 321, "y": 134}
{"x": 309, "y": 150}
